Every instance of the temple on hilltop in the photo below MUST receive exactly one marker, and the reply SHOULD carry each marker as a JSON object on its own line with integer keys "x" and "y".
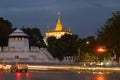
{"x": 18, "y": 50}
{"x": 58, "y": 31}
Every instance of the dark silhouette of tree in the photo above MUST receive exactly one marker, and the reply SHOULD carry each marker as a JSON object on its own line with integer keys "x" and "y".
{"x": 67, "y": 45}
{"x": 35, "y": 37}
{"x": 87, "y": 44}
{"x": 109, "y": 34}
{"x": 5, "y": 30}
{"x": 52, "y": 46}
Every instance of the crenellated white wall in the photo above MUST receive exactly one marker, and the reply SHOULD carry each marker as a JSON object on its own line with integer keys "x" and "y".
{"x": 34, "y": 55}
{"x": 18, "y": 44}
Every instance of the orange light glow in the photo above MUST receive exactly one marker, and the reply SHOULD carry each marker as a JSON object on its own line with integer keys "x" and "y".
{"x": 99, "y": 77}
{"x": 100, "y": 49}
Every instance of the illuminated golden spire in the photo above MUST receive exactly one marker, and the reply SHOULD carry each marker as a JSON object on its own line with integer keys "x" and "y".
{"x": 58, "y": 25}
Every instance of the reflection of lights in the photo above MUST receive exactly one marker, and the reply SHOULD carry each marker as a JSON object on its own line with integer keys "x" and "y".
{"x": 1, "y": 73}
{"x": 78, "y": 72}
{"x": 99, "y": 77}
{"x": 27, "y": 75}
{"x": 18, "y": 76}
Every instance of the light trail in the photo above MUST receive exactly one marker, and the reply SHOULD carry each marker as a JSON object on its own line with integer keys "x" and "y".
{"x": 65, "y": 67}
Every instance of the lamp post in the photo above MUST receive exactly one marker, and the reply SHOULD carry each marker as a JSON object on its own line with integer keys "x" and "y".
{"x": 79, "y": 51}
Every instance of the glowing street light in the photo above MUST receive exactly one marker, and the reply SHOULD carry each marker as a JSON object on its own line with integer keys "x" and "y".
{"x": 87, "y": 42}
{"x": 101, "y": 49}
{"x": 79, "y": 49}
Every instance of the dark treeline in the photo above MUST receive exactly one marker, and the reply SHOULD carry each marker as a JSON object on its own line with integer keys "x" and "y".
{"x": 71, "y": 45}
{"x": 5, "y": 30}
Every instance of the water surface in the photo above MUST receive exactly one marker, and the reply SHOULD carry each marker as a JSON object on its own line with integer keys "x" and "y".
{"x": 58, "y": 75}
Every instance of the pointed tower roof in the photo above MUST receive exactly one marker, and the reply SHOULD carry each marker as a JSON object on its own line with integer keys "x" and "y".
{"x": 18, "y": 32}
{"x": 58, "y": 25}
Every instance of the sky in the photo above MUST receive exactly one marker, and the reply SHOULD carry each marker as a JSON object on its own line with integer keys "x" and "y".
{"x": 84, "y": 17}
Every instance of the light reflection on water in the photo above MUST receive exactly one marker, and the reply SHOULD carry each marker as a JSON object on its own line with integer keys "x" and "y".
{"x": 1, "y": 74}
{"x": 66, "y": 76}
{"x": 27, "y": 75}
{"x": 99, "y": 77}
{"x": 58, "y": 75}
{"x": 20, "y": 76}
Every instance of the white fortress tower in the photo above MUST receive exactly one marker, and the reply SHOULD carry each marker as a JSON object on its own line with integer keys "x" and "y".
{"x": 18, "y": 50}
{"x": 18, "y": 41}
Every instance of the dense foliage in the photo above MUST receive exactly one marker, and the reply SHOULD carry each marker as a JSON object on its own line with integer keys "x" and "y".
{"x": 67, "y": 45}
{"x": 109, "y": 34}
{"x": 5, "y": 30}
{"x": 35, "y": 37}
{"x": 87, "y": 49}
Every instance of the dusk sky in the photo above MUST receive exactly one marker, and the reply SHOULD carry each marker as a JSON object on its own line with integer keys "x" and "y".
{"x": 84, "y": 17}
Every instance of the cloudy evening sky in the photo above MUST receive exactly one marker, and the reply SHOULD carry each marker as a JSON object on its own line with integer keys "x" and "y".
{"x": 84, "y": 17}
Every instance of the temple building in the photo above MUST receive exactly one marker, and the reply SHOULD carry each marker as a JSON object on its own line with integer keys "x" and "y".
{"x": 18, "y": 50}
{"x": 58, "y": 31}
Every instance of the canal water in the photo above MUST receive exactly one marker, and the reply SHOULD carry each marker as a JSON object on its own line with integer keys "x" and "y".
{"x": 59, "y": 75}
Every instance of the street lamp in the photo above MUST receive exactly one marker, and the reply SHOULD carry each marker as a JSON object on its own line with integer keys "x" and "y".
{"x": 87, "y": 42}
{"x": 79, "y": 51}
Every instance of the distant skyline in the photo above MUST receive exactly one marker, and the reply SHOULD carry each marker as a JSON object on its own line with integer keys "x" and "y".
{"x": 84, "y": 17}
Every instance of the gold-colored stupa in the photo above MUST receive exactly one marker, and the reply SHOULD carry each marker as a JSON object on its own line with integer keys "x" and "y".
{"x": 58, "y": 31}
{"x": 58, "y": 25}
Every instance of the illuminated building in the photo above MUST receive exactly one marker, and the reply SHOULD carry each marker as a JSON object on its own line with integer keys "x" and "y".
{"x": 58, "y": 31}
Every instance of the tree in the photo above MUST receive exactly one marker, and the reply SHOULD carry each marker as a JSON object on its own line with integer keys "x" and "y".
{"x": 5, "y": 30}
{"x": 86, "y": 45}
{"x": 109, "y": 34}
{"x": 67, "y": 45}
{"x": 35, "y": 37}
{"x": 52, "y": 46}
{"x": 89, "y": 57}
